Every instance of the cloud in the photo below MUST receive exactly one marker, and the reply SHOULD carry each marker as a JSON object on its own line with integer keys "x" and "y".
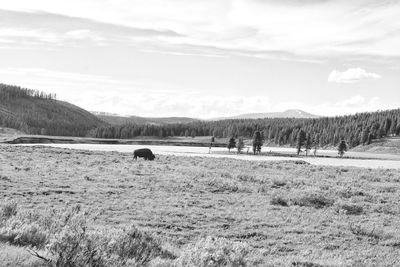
{"x": 38, "y": 27}
{"x": 352, "y": 75}
{"x": 311, "y": 29}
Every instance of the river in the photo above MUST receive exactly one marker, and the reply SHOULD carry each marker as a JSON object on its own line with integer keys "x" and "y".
{"x": 386, "y": 161}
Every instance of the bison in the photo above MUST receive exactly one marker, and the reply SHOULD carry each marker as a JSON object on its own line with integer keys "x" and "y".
{"x": 143, "y": 153}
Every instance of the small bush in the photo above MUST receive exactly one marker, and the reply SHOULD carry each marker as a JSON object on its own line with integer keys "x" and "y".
{"x": 8, "y": 208}
{"x": 313, "y": 200}
{"x": 305, "y": 264}
{"x": 350, "y": 209}
{"x": 278, "y": 183}
{"x": 371, "y": 232}
{"x": 76, "y": 246}
{"x": 301, "y": 162}
{"x": 213, "y": 252}
{"x": 20, "y": 233}
{"x": 221, "y": 186}
{"x": 278, "y": 200}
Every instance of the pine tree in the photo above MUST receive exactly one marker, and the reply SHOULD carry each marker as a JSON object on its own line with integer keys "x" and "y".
{"x": 316, "y": 143}
{"x": 308, "y": 143}
{"x": 240, "y": 145}
{"x": 301, "y": 138}
{"x": 257, "y": 142}
{"x": 231, "y": 143}
{"x": 342, "y": 148}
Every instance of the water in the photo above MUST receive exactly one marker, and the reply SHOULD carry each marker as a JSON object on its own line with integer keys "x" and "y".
{"x": 383, "y": 161}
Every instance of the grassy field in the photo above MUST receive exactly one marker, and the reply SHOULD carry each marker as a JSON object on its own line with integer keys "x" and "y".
{"x": 286, "y": 213}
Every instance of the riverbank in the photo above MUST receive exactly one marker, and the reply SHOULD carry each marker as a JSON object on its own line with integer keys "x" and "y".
{"x": 42, "y": 139}
{"x": 286, "y": 212}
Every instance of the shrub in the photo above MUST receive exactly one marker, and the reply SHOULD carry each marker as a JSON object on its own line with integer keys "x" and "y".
{"x": 305, "y": 264}
{"x": 222, "y": 186}
{"x": 350, "y": 209}
{"x": 76, "y": 246}
{"x": 278, "y": 183}
{"x": 278, "y": 200}
{"x": 20, "y": 233}
{"x": 313, "y": 200}
{"x": 213, "y": 252}
{"x": 8, "y": 208}
{"x": 367, "y": 231}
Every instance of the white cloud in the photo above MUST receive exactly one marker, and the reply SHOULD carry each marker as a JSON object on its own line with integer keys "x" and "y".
{"x": 312, "y": 29}
{"x": 352, "y": 75}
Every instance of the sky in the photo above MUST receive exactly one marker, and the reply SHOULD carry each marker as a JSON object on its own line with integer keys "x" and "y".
{"x": 208, "y": 58}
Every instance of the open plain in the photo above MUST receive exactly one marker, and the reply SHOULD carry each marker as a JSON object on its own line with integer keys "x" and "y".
{"x": 288, "y": 213}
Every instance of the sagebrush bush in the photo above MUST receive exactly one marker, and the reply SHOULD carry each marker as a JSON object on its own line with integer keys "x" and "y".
{"x": 76, "y": 246}
{"x": 213, "y": 252}
{"x": 19, "y": 233}
{"x": 349, "y": 209}
{"x": 278, "y": 200}
{"x": 70, "y": 242}
{"x": 317, "y": 201}
{"x": 8, "y": 208}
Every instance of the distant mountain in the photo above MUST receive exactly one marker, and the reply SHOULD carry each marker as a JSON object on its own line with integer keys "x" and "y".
{"x": 290, "y": 113}
{"x": 114, "y": 119}
{"x": 120, "y": 120}
{"x": 36, "y": 112}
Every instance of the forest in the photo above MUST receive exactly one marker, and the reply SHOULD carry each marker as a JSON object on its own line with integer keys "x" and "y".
{"x": 35, "y": 112}
{"x": 356, "y": 129}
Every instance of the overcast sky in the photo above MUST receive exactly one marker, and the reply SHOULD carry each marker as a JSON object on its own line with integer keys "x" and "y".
{"x": 207, "y": 58}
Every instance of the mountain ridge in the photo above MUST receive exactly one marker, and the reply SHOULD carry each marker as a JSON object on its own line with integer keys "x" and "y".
{"x": 290, "y": 113}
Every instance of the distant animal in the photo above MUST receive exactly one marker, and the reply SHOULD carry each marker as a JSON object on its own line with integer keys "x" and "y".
{"x": 145, "y": 153}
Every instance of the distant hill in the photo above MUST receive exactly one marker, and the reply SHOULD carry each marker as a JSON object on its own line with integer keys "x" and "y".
{"x": 35, "y": 112}
{"x": 290, "y": 113}
{"x": 121, "y": 120}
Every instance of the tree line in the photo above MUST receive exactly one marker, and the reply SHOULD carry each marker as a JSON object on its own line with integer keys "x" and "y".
{"x": 360, "y": 128}
{"x": 8, "y": 92}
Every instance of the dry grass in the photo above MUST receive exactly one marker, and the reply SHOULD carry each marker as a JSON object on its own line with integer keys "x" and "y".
{"x": 332, "y": 218}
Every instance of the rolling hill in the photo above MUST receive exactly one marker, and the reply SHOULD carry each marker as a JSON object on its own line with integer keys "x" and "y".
{"x": 120, "y": 120}
{"x": 36, "y": 112}
{"x": 115, "y": 119}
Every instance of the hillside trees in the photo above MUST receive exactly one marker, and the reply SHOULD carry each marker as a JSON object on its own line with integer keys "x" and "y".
{"x": 355, "y": 129}
{"x": 36, "y": 112}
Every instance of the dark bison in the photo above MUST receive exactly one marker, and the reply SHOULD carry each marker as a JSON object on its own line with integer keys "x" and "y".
{"x": 143, "y": 153}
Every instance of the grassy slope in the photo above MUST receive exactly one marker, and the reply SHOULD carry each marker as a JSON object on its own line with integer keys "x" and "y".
{"x": 386, "y": 145}
{"x": 181, "y": 198}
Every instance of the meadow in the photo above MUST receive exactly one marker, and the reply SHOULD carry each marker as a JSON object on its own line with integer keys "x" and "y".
{"x": 194, "y": 211}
